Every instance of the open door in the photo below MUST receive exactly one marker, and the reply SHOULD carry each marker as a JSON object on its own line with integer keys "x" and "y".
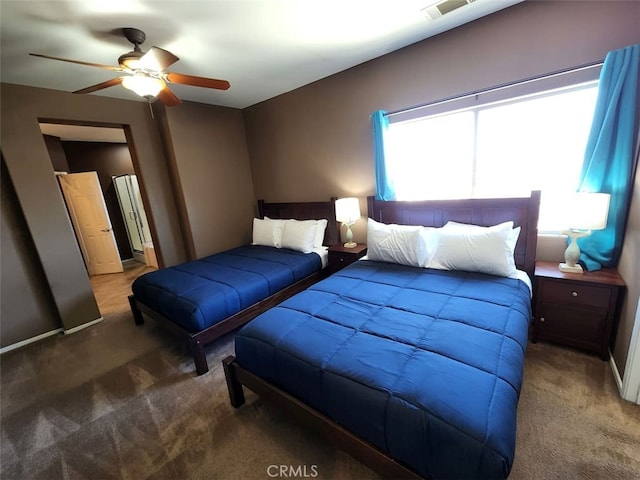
{"x": 91, "y": 222}
{"x": 135, "y": 218}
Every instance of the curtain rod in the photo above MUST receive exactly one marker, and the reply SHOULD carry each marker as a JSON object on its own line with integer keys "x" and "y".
{"x": 497, "y": 88}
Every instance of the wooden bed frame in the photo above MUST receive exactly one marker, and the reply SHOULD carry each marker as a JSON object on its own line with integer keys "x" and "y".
{"x": 197, "y": 340}
{"x": 522, "y": 211}
{"x": 478, "y": 211}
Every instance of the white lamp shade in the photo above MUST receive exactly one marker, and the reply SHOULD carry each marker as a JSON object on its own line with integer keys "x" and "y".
{"x": 578, "y": 211}
{"x": 348, "y": 210}
{"x": 588, "y": 211}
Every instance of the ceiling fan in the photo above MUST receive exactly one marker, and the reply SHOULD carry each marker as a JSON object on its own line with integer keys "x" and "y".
{"x": 144, "y": 72}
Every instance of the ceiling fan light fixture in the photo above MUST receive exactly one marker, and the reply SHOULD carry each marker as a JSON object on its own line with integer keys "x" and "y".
{"x": 143, "y": 85}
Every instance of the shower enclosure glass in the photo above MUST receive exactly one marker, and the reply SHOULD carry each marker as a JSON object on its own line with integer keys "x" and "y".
{"x": 133, "y": 213}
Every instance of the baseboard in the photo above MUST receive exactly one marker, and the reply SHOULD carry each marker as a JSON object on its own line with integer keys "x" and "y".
{"x": 83, "y": 326}
{"x": 42, "y": 336}
{"x": 37, "y": 338}
{"x": 616, "y": 373}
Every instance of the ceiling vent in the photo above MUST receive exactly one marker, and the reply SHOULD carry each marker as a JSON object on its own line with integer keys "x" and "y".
{"x": 442, "y": 8}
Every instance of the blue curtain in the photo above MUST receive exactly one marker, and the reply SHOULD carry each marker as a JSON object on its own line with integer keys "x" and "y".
{"x": 611, "y": 154}
{"x": 384, "y": 188}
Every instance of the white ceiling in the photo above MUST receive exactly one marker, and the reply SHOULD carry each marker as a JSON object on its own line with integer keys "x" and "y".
{"x": 262, "y": 47}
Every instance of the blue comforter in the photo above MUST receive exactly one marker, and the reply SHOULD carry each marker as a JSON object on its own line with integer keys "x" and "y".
{"x": 424, "y": 364}
{"x": 200, "y": 293}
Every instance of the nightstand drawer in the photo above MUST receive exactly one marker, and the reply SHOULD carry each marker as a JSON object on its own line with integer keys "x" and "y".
{"x": 340, "y": 256}
{"x": 567, "y": 293}
{"x": 577, "y": 326}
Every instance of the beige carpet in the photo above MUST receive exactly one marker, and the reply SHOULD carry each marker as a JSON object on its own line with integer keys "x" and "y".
{"x": 118, "y": 401}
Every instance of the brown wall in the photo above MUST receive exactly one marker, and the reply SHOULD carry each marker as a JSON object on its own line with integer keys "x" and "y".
{"x": 211, "y": 164}
{"x": 56, "y": 153}
{"x": 629, "y": 268}
{"x": 31, "y": 174}
{"x": 315, "y": 142}
{"x": 27, "y": 308}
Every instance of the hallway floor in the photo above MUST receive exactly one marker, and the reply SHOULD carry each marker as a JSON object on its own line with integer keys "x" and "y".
{"x": 111, "y": 290}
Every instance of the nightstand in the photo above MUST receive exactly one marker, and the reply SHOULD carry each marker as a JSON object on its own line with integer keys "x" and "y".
{"x": 575, "y": 309}
{"x": 341, "y": 256}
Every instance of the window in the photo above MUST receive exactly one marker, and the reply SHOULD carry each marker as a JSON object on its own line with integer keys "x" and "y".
{"x": 505, "y": 148}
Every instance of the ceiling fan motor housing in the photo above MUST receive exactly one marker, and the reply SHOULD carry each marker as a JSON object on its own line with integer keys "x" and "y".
{"x": 134, "y": 35}
{"x": 131, "y": 59}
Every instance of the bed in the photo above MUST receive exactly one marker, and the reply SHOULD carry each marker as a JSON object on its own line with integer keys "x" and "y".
{"x": 415, "y": 371}
{"x": 206, "y": 298}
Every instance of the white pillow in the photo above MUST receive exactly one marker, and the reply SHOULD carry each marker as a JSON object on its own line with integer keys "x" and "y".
{"x": 479, "y": 249}
{"x": 299, "y": 235}
{"x": 501, "y": 226}
{"x": 267, "y": 232}
{"x": 429, "y": 237}
{"x": 320, "y": 228}
{"x": 514, "y": 233}
{"x": 403, "y": 244}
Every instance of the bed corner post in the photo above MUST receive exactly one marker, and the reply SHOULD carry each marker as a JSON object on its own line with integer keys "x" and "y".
{"x": 535, "y": 203}
{"x": 370, "y": 206}
{"x": 532, "y": 231}
{"x": 236, "y": 393}
{"x": 199, "y": 357}
{"x": 137, "y": 314}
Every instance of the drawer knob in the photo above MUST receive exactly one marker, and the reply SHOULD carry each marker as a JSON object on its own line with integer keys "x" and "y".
{"x": 542, "y": 319}
{"x": 574, "y": 294}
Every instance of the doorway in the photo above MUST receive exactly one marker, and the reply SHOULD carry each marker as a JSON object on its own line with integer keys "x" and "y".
{"x": 103, "y": 152}
{"x": 135, "y": 218}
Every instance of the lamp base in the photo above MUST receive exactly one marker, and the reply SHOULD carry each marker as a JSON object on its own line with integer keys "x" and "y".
{"x": 566, "y": 268}
{"x": 350, "y": 245}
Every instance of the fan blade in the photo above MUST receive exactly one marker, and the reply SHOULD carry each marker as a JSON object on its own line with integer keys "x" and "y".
{"x": 197, "y": 81}
{"x": 157, "y": 59}
{"x": 106, "y": 67}
{"x": 99, "y": 86}
{"x": 169, "y": 98}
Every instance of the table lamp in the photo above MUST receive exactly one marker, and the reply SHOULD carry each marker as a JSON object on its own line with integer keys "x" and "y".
{"x": 585, "y": 212}
{"x": 348, "y": 213}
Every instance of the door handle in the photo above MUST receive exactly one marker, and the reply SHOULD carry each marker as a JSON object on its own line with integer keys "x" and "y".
{"x": 105, "y": 230}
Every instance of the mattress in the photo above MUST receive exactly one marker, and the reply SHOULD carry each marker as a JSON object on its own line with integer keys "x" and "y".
{"x": 200, "y": 293}
{"x": 424, "y": 364}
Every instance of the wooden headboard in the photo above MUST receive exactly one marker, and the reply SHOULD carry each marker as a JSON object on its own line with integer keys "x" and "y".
{"x": 479, "y": 211}
{"x": 305, "y": 211}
